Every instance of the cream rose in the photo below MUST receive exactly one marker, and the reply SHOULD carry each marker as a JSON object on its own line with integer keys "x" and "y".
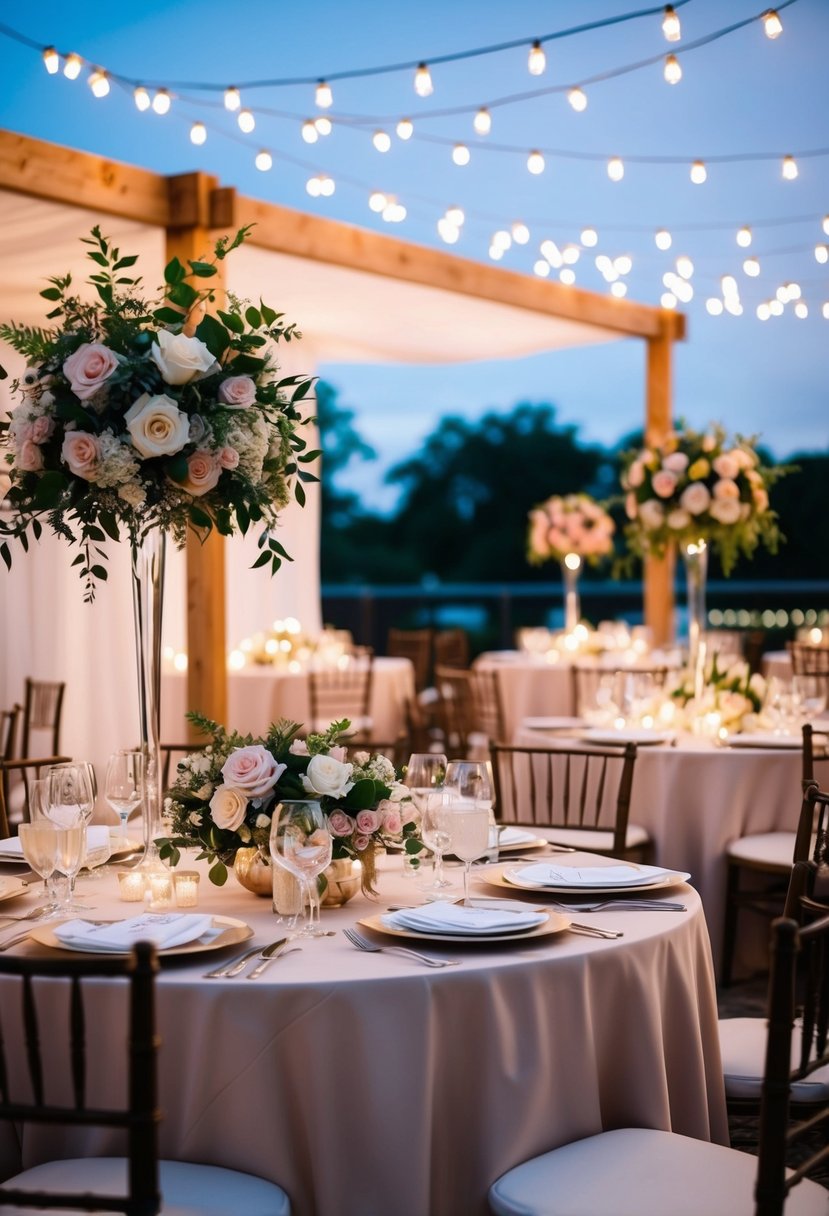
{"x": 678, "y": 519}
{"x": 237, "y": 392}
{"x": 252, "y": 769}
{"x": 89, "y": 368}
{"x": 82, "y": 452}
{"x": 203, "y": 472}
{"x": 664, "y": 483}
{"x": 725, "y": 511}
{"x": 157, "y": 426}
{"x": 726, "y": 465}
{"x": 327, "y": 777}
{"x": 676, "y": 462}
{"x": 726, "y": 488}
{"x": 228, "y": 807}
{"x": 181, "y": 359}
{"x": 695, "y": 498}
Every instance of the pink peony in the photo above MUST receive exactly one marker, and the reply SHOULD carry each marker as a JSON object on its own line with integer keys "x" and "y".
{"x": 252, "y": 769}
{"x": 695, "y": 498}
{"x": 725, "y": 511}
{"x": 42, "y": 429}
{"x": 228, "y": 458}
{"x": 726, "y": 465}
{"x": 203, "y": 472}
{"x": 82, "y": 452}
{"x": 89, "y": 368}
{"x": 726, "y": 489}
{"x": 29, "y": 458}
{"x": 340, "y": 824}
{"x": 367, "y": 822}
{"x": 664, "y": 483}
{"x": 677, "y": 462}
{"x": 238, "y": 392}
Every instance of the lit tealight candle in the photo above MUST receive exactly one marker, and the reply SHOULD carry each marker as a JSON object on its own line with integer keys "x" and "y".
{"x": 130, "y": 886}
{"x": 187, "y": 888}
{"x": 161, "y": 891}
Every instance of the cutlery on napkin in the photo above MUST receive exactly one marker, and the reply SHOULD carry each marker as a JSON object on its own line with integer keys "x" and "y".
{"x": 164, "y": 931}
{"x": 458, "y": 918}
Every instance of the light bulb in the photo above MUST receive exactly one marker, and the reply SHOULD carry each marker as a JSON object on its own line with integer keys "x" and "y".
{"x": 233, "y": 99}
{"x": 327, "y": 185}
{"x": 670, "y": 25}
{"x": 699, "y": 173}
{"x": 482, "y": 122}
{"x": 309, "y": 132}
{"x": 246, "y": 121}
{"x": 501, "y": 239}
{"x": 198, "y": 133}
{"x": 537, "y": 61}
{"x": 405, "y": 128}
{"x": 496, "y": 253}
{"x": 794, "y": 291}
{"x": 570, "y": 254}
{"x": 141, "y": 98}
{"x": 263, "y": 161}
{"x": 789, "y": 168}
{"x": 623, "y": 264}
{"x": 455, "y": 216}
{"x": 733, "y": 305}
{"x": 775, "y": 308}
{"x": 589, "y": 237}
{"x": 668, "y": 279}
{"x": 744, "y": 237}
{"x": 398, "y": 213}
{"x": 663, "y": 239}
{"x": 381, "y": 141}
{"x": 567, "y": 276}
{"x": 801, "y": 310}
{"x": 782, "y": 293}
{"x": 618, "y": 289}
{"x": 683, "y": 291}
{"x": 313, "y": 187}
{"x": 323, "y": 125}
{"x": 673, "y": 69}
{"x": 542, "y": 269}
{"x": 535, "y": 163}
{"x": 161, "y": 102}
{"x": 714, "y": 306}
{"x": 323, "y": 95}
{"x": 461, "y": 154}
{"x": 751, "y": 267}
{"x": 578, "y": 99}
{"x": 615, "y": 169}
{"x": 763, "y": 312}
{"x": 668, "y": 299}
{"x": 728, "y": 285}
{"x": 448, "y": 231}
{"x": 552, "y": 253}
{"x": 684, "y": 266}
{"x": 826, "y": 224}
{"x": 520, "y": 233}
{"x": 99, "y": 83}
{"x": 772, "y": 24}
{"x": 825, "y": 311}
{"x": 603, "y": 263}
{"x": 51, "y": 60}
{"x": 610, "y": 274}
{"x": 377, "y": 200}
{"x": 822, "y": 254}
{"x": 423, "y": 81}
{"x": 72, "y": 66}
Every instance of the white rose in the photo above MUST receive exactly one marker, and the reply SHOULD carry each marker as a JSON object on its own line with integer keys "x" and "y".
{"x": 726, "y": 511}
{"x": 157, "y": 426}
{"x": 228, "y": 807}
{"x": 181, "y": 359}
{"x": 399, "y": 792}
{"x": 263, "y": 821}
{"x": 695, "y": 498}
{"x": 327, "y": 776}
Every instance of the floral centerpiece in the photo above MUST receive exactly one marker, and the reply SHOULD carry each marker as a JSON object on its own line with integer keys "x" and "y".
{"x": 224, "y": 797}
{"x": 730, "y": 691}
{"x": 573, "y": 523}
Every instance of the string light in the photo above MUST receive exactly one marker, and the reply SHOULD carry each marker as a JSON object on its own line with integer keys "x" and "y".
{"x": 822, "y": 254}
{"x": 501, "y": 240}
{"x": 381, "y": 141}
{"x": 775, "y": 308}
{"x": 98, "y": 83}
{"x": 751, "y": 267}
{"x": 552, "y": 253}
{"x": 794, "y": 291}
{"x": 801, "y": 310}
{"x": 496, "y": 253}
{"x": 714, "y": 306}
{"x": 323, "y": 95}
{"x": 684, "y": 266}
{"x": 198, "y": 133}
{"x": 377, "y": 201}
{"x": 141, "y": 98}
{"x": 772, "y": 25}
{"x": 72, "y": 66}
{"x": 327, "y": 185}
{"x": 51, "y": 60}
{"x": 699, "y": 173}
{"x": 578, "y": 99}
{"x": 309, "y": 132}
{"x": 161, "y": 102}
{"x": 521, "y": 233}
{"x": 683, "y": 291}
{"x": 542, "y": 269}
{"x": 671, "y": 27}
{"x": 618, "y": 289}
{"x": 394, "y": 212}
{"x": 246, "y": 121}
{"x": 482, "y": 122}
{"x": 825, "y": 311}
{"x": 623, "y": 264}
{"x": 233, "y": 99}
{"x": 782, "y": 293}
{"x": 461, "y": 154}
{"x": 789, "y": 168}
{"x": 763, "y": 312}
{"x": 323, "y": 125}
{"x": 567, "y": 276}
{"x": 589, "y": 237}
{"x": 615, "y": 169}
{"x": 733, "y": 305}
{"x": 263, "y": 161}
{"x": 423, "y": 81}
{"x": 663, "y": 239}
{"x": 825, "y": 224}
{"x": 537, "y": 60}
{"x": 673, "y": 69}
{"x": 570, "y": 254}
{"x": 448, "y": 231}
{"x": 455, "y": 216}
{"x": 312, "y": 187}
{"x": 535, "y": 163}
{"x": 668, "y": 299}
{"x": 744, "y": 237}
{"x": 405, "y": 128}
{"x": 605, "y": 267}
{"x": 728, "y": 285}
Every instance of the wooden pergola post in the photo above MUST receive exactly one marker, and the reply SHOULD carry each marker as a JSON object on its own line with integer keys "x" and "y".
{"x": 189, "y": 237}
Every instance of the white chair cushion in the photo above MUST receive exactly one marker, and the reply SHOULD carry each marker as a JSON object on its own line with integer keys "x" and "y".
{"x": 187, "y": 1190}
{"x": 594, "y": 842}
{"x": 743, "y": 1050}
{"x": 764, "y": 848}
{"x": 639, "y": 1172}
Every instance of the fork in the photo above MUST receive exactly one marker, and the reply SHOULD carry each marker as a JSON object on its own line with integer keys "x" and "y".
{"x": 363, "y": 943}
{"x": 32, "y": 914}
{"x": 623, "y": 905}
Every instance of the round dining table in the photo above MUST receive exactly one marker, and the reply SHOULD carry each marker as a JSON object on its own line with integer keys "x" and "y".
{"x": 370, "y": 1083}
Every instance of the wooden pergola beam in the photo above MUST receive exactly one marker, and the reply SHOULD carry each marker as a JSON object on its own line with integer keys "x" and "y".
{"x": 659, "y": 572}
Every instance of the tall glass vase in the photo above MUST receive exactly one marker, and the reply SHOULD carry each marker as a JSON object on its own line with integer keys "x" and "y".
{"x": 695, "y": 559}
{"x": 148, "y": 554}
{"x": 570, "y": 571}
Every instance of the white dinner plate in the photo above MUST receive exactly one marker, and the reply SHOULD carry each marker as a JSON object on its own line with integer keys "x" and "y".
{"x": 495, "y": 876}
{"x": 559, "y": 723}
{"x": 233, "y": 932}
{"x": 517, "y": 838}
{"x": 553, "y": 875}
{"x": 555, "y": 923}
{"x": 645, "y": 738}
{"x": 766, "y": 739}
{"x": 11, "y": 849}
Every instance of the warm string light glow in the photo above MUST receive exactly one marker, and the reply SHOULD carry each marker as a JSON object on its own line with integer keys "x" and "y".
{"x": 751, "y": 267}
{"x": 198, "y": 133}
{"x": 423, "y": 81}
{"x": 699, "y": 173}
{"x": 141, "y": 98}
{"x": 161, "y": 102}
{"x": 673, "y": 69}
{"x": 537, "y": 60}
{"x": 671, "y": 27}
{"x": 744, "y": 237}
{"x": 405, "y": 129}
{"x": 535, "y": 163}
{"x": 246, "y": 121}
{"x": 615, "y": 169}
{"x": 233, "y": 99}
{"x": 309, "y": 132}
{"x": 323, "y": 97}
{"x": 381, "y": 141}
{"x": 663, "y": 239}
{"x": 72, "y": 65}
{"x": 589, "y": 237}
{"x": 578, "y": 99}
{"x": 482, "y": 122}
{"x": 51, "y": 60}
{"x": 321, "y": 184}
{"x": 822, "y": 254}
{"x": 521, "y": 233}
{"x": 99, "y": 83}
{"x": 263, "y": 161}
{"x": 789, "y": 168}
{"x": 772, "y": 25}
{"x": 461, "y": 154}
{"x": 567, "y": 276}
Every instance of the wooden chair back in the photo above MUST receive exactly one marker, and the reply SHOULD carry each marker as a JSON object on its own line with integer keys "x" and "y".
{"x": 565, "y": 788}
{"x": 451, "y": 648}
{"x": 616, "y": 684}
{"x": 808, "y": 660}
{"x": 30, "y": 1092}
{"x": 9, "y": 719}
{"x": 171, "y": 752}
{"x": 416, "y": 646}
{"x": 343, "y": 691}
{"x": 26, "y": 770}
{"x": 42, "y": 711}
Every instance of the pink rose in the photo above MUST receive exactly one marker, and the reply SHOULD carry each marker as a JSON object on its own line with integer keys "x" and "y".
{"x": 252, "y": 769}
{"x": 630, "y": 506}
{"x": 298, "y": 748}
{"x": 695, "y": 498}
{"x": 664, "y": 483}
{"x": 237, "y": 392}
{"x": 725, "y": 511}
{"x": 42, "y": 429}
{"x": 636, "y": 474}
{"x": 340, "y": 824}
{"x": 82, "y": 453}
{"x": 392, "y": 819}
{"x": 87, "y": 370}
{"x": 228, "y": 458}
{"x": 361, "y": 842}
{"x": 29, "y": 458}
{"x": 761, "y": 498}
{"x": 677, "y": 462}
{"x": 367, "y": 822}
{"x": 338, "y": 753}
{"x": 203, "y": 472}
{"x": 726, "y": 489}
{"x": 726, "y": 465}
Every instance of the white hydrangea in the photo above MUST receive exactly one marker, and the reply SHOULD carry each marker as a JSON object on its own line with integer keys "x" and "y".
{"x": 118, "y": 465}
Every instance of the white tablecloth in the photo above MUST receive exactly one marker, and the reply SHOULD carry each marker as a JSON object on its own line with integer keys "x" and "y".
{"x": 258, "y": 696}
{"x": 371, "y": 1084}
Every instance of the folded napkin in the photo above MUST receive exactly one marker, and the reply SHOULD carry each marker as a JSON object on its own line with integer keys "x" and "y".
{"x": 508, "y": 836}
{"x": 767, "y": 738}
{"x": 456, "y": 919}
{"x": 546, "y": 874}
{"x": 163, "y": 930}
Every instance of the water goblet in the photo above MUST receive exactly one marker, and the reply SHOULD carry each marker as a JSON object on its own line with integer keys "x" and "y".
{"x": 124, "y": 787}
{"x": 473, "y": 779}
{"x": 39, "y": 841}
{"x": 810, "y": 691}
{"x": 435, "y": 833}
{"x": 467, "y": 822}
{"x": 425, "y": 772}
{"x": 301, "y": 843}
{"x": 70, "y": 802}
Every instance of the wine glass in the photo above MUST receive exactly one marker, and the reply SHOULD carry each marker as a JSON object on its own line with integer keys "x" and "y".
{"x": 473, "y": 779}
{"x": 70, "y": 802}
{"x": 435, "y": 833}
{"x": 54, "y": 883}
{"x": 124, "y": 787}
{"x": 39, "y": 841}
{"x": 810, "y": 691}
{"x": 301, "y": 843}
{"x": 70, "y": 853}
{"x": 467, "y": 822}
{"x": 424, "y": 774}
{"x": 781, "y": 705}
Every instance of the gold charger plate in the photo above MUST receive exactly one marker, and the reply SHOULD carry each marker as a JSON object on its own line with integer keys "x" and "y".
{"x": 494, "y": 876}
{"x": 555, "y": 923}
{"x": 235, "y": 931}
{"x": 10, "y": 888}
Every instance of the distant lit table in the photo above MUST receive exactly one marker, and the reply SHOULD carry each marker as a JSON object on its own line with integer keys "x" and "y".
{"x": 258, "y": 696}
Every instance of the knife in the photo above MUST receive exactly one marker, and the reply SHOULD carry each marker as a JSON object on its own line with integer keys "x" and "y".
{"x": 269, "y": 955}
{"x": 227, "y": 972}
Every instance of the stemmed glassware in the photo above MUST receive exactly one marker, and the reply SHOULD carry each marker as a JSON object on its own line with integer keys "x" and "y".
{"x": 810, "y": 694}
{"x": 301, "y": 843}
{"x": 69, "y": 807}
{"x": 425, "y": 773}
{"x": 466, "y": 820}
{"x": 472, "y": 779}
{"x": 124, "y": 788}
{"x": 39, "y": 841}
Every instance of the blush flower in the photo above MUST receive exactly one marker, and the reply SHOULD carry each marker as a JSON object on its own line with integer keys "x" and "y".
{"x": 89, "y": 368}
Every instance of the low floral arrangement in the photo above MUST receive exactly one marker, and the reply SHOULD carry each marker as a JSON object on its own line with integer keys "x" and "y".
{"x": 731, "y": 691}
{"x": 700, "y": 486}
{"x": 573, "y": 523}
{"x": 141, "y": 414}
{"x": 224, "y": 797}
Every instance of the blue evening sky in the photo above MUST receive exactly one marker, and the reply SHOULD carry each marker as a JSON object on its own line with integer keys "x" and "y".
{"x": 741, "y": 94}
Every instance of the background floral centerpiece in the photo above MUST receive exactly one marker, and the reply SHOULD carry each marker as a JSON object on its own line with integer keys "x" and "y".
{"x": 729, "y": 690}
{"x": 573, "y": 523}
{"x": 224, "y": 797}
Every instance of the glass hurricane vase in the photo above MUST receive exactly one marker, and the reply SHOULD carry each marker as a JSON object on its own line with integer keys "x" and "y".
{"x": 695, "y": 560}
{"x": 148, "y": 554}
{"x": 571, "y": 567}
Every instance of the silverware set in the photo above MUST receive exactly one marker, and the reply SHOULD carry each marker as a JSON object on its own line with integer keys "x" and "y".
{"x": 265, "y": 954}
{"x": 362, "y": 943}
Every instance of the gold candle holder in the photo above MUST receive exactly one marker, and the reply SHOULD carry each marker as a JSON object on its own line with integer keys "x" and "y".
{"x": 187, "y": 888}
{"x": 161, "y": 891}
{"x": 131, "y": 886}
